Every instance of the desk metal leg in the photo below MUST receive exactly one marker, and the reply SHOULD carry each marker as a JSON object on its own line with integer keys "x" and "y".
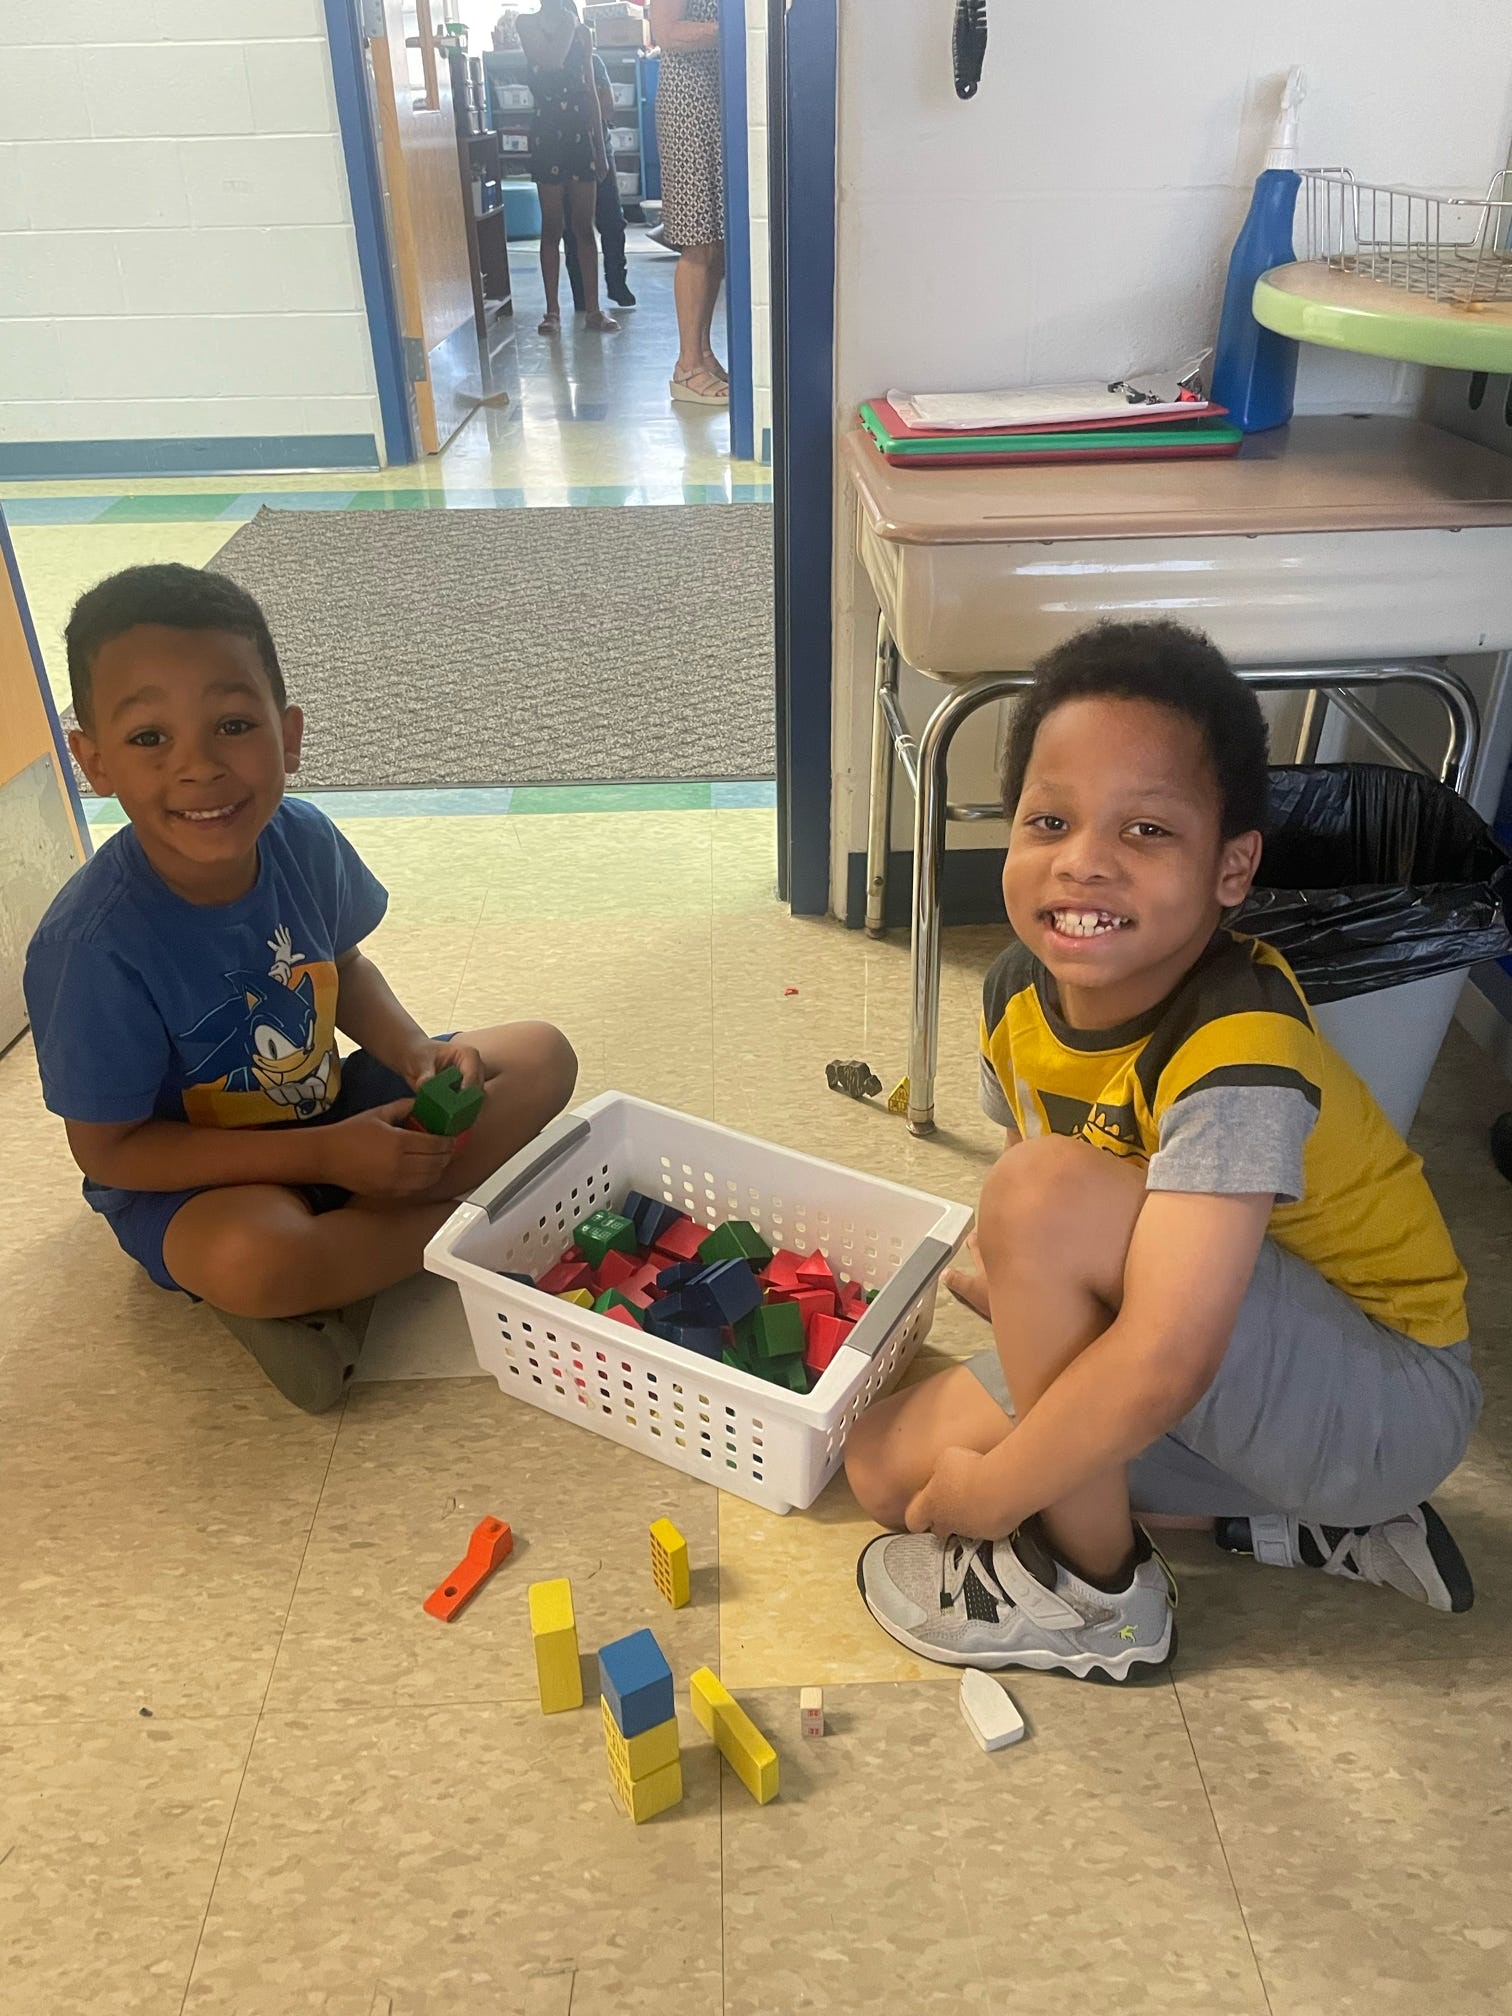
{"x": 930, "y": 812}
{"x": 879, "y": 805}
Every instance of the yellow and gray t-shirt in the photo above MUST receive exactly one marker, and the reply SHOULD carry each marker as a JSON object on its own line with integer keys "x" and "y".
{"x": 1227, "y": 1087}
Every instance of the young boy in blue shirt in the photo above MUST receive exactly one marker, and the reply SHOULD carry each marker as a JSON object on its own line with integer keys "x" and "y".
{"x": 186, "y": 987}
{"x": 1219, "y": 1286}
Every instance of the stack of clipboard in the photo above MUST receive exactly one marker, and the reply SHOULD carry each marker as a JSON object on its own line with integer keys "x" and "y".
{"x": 1064, "y": 423}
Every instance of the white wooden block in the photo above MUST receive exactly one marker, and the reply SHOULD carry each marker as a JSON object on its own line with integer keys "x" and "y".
{"x": 811, "y": 1711}
{"x": 990, "y": 1714}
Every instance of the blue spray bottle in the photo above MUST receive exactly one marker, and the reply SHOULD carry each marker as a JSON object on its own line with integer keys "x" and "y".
{"x": 1254, "y": 369}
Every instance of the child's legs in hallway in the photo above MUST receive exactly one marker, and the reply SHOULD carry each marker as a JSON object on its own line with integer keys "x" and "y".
{"x": 260, "y": 1249}
{"x": 580, "y": 201}
{"x": 553, "y": 212}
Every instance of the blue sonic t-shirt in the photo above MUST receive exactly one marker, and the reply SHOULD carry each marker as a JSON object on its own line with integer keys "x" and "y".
{"x": 144, "y": 1005}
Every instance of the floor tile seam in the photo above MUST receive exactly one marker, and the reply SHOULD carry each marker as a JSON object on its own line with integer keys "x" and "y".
{"x": 1228, "y": 1866}
{"x": 241, "y": 1781}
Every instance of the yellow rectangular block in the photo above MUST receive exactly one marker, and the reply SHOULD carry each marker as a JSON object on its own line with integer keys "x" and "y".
{"x": 644, "y": 1798}
{"x": 741, "y": 1743}
{"x": 553, "y": 1628}
{"x": 638, "y": 1756}
{"x": 669, "y": 1562}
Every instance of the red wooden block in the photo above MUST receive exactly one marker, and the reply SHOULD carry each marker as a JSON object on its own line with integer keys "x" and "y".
{"x": 640, "y": 1287}
{"x": 811, "y": 1301}
{"x": 615, "y": 1269}
{"x": 619, "y": 1314}
{"x": 571, "y": 1271}
{"x": 852, "y": 1301}
{"x": 490, "y": 1544}
{"x": 825, "y": 1336}
{"x": 681, "y": 1240}
{"x": 816, "y": 1272}
{"x": 783, "y": 1270}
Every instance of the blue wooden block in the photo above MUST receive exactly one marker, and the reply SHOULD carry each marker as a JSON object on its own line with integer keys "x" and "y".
{"x": 723, "y": 1293}
{"x": 700, "y": 1337}
{"x": 636, "y": 1682}
{"x": 663, "y": 1317}
{"x": 649, "y": 1216}
{"x": 679, "y": 1274}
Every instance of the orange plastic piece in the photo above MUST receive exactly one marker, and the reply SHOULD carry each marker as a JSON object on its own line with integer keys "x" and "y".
{"x": 490, "y": 1544}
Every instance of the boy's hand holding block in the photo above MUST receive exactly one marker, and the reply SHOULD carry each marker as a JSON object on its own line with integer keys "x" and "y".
{"x": 444, "y": 1105}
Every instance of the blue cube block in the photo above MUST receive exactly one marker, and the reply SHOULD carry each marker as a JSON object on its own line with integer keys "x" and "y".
{"x": 636, "y": 1681}
{"x": 723, "y": 1293}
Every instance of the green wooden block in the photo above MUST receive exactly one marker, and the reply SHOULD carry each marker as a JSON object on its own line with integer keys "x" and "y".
{"x": 775, "y": 1330}
{"x": 789, "y": 1372}
{"x": 612, "y": 1298}
{"x": 737, "y": 1359}
{"x": 444, "y": 1105}
{"x": 604, "y": 1232}
{"x": 737, "y": 1239}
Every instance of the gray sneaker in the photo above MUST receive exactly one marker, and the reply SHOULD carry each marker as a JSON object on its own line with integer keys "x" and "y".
{"x": 998, "y": 1603}
{"x": 310, "y": 1359}
{"x": 1415, "y": 1553}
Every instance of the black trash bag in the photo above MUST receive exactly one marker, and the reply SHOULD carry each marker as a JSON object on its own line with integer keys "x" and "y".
{"x": 1372, "y": 876}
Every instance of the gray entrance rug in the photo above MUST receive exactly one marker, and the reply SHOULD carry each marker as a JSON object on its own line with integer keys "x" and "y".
{"x": 610, "y": 645}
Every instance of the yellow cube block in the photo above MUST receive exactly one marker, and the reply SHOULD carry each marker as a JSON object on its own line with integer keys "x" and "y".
{"x": 741, "y": 1743}
{"x": 644, "y": 1798}
{"x": 553, "y": 1628}
{"x": 669, "y": 1562}
{"x": 639, "y": 1756}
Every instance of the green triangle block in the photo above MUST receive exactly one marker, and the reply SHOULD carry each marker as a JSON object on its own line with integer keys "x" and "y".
{"x": 735, "y": 1240}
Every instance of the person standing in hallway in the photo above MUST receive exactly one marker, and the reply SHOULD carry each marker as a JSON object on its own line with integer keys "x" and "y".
{"x": 567, "y": 153}
{"x": 608, "y": 214}
{"x": 692, "y": 167}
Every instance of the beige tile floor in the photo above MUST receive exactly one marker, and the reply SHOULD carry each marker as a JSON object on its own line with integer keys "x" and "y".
{"x": 335, "y": 1805}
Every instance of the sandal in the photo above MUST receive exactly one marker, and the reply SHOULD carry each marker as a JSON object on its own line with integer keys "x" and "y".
{"x": 549, "y": 325}
{"x": 699, "y": 388}
{"x": 602, "y": 324}
{"x": 713, "y": 366}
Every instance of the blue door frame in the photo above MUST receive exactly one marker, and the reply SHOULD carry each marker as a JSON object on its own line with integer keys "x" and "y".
{"x": 359, "y": 143}
{"x": 801, "y": 44}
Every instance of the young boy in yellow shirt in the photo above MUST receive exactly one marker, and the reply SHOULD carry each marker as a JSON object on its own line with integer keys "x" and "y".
{"x": 186, "y": 987}
{"x": 1219, "y": 1285}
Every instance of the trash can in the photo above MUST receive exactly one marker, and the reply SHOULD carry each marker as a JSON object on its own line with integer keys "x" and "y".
{"x": 1380, "y": 887}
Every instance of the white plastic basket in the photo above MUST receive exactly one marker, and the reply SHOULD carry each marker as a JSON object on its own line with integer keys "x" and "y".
{"x": 778, "y": 1449}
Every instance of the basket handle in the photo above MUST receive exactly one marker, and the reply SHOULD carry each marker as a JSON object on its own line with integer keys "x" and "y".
{"x": 910, "y": 1281}
{"x": 549, "y": 1147}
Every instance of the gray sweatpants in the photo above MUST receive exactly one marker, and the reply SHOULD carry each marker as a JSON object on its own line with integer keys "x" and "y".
{"x": 1317, "y": 1410}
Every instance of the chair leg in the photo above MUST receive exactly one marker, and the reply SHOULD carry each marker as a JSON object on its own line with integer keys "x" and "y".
{"x": 879, "y": 803}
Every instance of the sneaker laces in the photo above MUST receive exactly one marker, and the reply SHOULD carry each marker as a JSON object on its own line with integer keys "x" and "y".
{"x": 957, "y": 1559}
{"x": 1341, "y": 1556}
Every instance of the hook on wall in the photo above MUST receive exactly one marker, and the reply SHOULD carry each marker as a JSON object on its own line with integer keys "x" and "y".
{"x": 968, "y": 45}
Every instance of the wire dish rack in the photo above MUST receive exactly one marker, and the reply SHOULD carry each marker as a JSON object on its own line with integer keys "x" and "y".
{"x": 1445, "y": 248}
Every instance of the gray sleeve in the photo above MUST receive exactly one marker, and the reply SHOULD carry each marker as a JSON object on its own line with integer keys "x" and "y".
{"x": 994, "y": 1098}
{"x": 1235, "y": 1140}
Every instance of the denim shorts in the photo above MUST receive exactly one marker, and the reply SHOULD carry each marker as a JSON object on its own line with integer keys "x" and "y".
{"x": 140, "y": 1218}
{"x": 1317, "y": 1410}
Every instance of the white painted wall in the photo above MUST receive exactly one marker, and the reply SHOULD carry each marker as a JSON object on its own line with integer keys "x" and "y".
{"x": 177, "y": 256}
{"x": 761, "y": 278}
{"x": 1074, "y": 219}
